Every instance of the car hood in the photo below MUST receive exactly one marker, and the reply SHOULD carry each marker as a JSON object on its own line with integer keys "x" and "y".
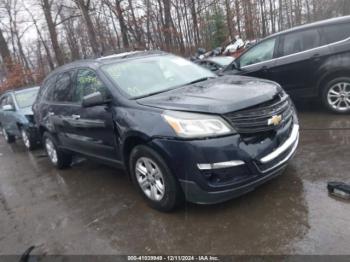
{"x": 26, "y": 111}
{"x": 219, "y": 96}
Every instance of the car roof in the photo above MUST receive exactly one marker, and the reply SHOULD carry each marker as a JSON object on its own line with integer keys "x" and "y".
{"x": 97, "y": 62}
{"x": 332, "y": 21}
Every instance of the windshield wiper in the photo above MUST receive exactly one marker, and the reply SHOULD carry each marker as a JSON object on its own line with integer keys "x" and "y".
{"x": 200, "y": 80}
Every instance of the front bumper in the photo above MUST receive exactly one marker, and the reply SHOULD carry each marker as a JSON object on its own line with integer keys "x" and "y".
{"x": 263, "y": 160}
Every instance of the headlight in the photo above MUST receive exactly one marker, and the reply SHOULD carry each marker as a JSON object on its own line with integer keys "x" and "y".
{"x": 191, "y": 125}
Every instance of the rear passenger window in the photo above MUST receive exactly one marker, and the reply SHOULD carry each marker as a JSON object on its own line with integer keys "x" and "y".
{"x": 63, "y": 88}
{"x": 335, "y": 33}
{"x": 48, "y": 88}
{"x": 301, "y": 41}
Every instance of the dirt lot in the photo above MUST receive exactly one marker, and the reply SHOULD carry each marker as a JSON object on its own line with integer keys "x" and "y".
{"x": 94, "y": 209}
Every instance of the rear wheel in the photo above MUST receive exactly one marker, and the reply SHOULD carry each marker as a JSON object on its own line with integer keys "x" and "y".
{"x": 8, "y": 137}
{"x": 336, "y": 95}
{"x": 154, "y": 180}
{"x": 57, "y": 156}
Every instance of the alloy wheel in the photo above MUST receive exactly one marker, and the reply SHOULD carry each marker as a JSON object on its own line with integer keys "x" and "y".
{"x": 51, "y": 151}
{"x": 150, "y": 178}
{"x": 25, "y": 138}
{"x": 338, "y": 96}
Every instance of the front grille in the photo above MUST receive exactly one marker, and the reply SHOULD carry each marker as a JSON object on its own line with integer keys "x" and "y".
{"x": 255, "y": 119}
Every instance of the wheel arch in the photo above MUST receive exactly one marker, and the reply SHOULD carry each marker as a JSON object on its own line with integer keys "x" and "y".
{"x": 134, "y": 140}
{"x": 129, "y": 142}
{"x": 329, "y": 76}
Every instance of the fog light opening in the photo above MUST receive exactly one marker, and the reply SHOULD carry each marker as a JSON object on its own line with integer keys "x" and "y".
{"x": 220, "y": 165}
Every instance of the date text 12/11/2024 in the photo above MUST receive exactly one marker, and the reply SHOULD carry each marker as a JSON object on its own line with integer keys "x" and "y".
{"x": 173, "y": 258}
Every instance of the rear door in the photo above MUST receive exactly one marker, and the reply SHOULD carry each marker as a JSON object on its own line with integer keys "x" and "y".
{"x": 259, "y": 60}
{"x": 91, "y": 129}
{"x": 59, "y": 108}
{"x": 300, "y": 55}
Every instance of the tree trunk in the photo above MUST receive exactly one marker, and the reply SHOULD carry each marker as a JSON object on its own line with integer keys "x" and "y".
{"x": 238, "y": 15}
{"x": 123, "y": 28}
{"x": 167, "y": 25}
{"x": 195, "y": 22}
{"x": 272, "y": 16}
{"x": 46, "y": 6}
{"x": 84, "y": 8}
{"x": 263, "y": 19}
{"x": 229, "y": 19}
{"x": 5, "y": 52}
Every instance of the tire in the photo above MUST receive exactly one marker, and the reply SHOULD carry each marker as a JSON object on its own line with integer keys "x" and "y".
{"x": 28, "y": 140}
{"x": 160, "y": 188}
{"x": 10, "y": 139}
{"x": 59, "y": 158}
{"x": 337, "y": 89}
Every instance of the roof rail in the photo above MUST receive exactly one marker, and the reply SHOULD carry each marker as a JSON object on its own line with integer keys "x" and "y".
{"x": 120, "y": 55}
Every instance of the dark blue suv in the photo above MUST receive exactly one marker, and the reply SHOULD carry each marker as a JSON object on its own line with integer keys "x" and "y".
{"x": 179, "y": 130}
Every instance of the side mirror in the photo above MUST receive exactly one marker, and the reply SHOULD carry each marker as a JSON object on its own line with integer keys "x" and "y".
{"x": 94, "y": 99}
{"x": 234, "y": 66}
{"x": 8, "y": 108}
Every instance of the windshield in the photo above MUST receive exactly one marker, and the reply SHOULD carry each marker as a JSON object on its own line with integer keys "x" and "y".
{"x": 223, "y": 61}
{"x": 147, "y": 76}
{"x": 26, "y": 98}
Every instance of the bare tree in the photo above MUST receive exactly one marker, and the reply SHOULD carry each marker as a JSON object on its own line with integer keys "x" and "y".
{"x": 5, "y": 51}
{"x": 84, "y": 6}
{"x": 47, "y": 9}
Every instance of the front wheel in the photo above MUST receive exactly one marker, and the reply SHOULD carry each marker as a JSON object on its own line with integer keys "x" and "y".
{"x": 336, "y": 95}
{"x": 154, "y": 180}
{"x": 57, "y": 156}
{"x": 28, "y": 140}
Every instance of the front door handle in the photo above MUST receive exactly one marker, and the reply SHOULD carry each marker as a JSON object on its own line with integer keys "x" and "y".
{"x": 316, "y": 57}
{"x": 76, "y": 117}
{"x": 265, "y": 69}
{"x": 51, "y": 113}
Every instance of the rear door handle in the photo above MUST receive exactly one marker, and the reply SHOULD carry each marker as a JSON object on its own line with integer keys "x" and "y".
{"x": 51, "y": 113}
{"x": 76, "y": 117}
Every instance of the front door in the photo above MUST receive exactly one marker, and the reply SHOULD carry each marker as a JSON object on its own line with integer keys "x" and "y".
{"x": 91, "y": 129}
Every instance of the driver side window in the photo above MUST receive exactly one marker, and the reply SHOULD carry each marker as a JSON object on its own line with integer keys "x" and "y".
{"x": 87, "y": 83}
{"x": 260, "y": 53}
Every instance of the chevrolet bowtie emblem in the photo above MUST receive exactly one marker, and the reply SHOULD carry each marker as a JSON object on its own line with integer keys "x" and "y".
{"x": 275, "y": 120}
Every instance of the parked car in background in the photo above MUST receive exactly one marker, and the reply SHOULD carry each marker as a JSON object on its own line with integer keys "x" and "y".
{"x": 16, "y": 116}
{"x": 177, "y": 128}
{"x": 216, "y": 63}
{"x": 308, "y": 61}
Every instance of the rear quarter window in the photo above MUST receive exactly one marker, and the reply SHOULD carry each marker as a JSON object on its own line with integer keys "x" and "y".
{"x": 297, "y": 42}
{"x": 335, "y": 33}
